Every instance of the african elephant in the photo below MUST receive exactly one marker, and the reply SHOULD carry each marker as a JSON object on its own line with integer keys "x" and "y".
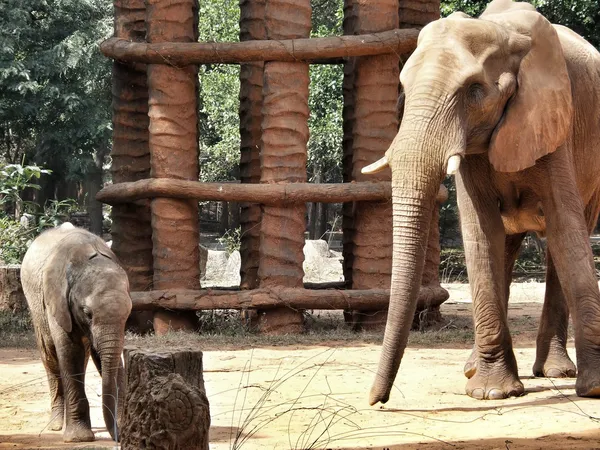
{"x": 79, "y": 300}
{"x": 511, "y": 104}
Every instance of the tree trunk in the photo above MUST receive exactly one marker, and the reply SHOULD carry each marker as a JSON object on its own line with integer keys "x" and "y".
{"x": 166, "y": 406}
{"x": 321, "y": 219}
{"x": 224, "y": 220}
{"x": 312, "y": 220}
{"x": 93, "y": 184}
{"x": 234, "y": 215}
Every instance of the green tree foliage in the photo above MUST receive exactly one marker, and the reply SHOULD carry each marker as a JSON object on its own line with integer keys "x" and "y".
{"x": 219, "y": 98}
{"x": 54, "y": 83}
{"x": 219, "y": 95}
{"x": 326, "y": 101}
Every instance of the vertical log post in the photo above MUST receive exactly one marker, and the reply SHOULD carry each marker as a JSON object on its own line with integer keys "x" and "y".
{"x": 173, "y": 142}
{"x": 417, "y": 13}
{"x": 165, "y": 405}
{"x": 349, "y": 25}
{"x": 283, "y": 159}
{"x": 131, "y": 229}
{"x": 252, "y": 26}
{"x": 374, "y": 127}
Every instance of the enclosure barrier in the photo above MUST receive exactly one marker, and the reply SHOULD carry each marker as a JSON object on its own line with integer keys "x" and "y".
{"x": 155, "y": 156}
{"x": 266, "y": 194}
{"x": 277, "y": 297}
{"x": 313, "y": 50}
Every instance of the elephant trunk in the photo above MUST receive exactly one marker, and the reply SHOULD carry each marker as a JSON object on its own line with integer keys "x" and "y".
{"x": 417, "y": 172}
{"x": 110, "y": 347}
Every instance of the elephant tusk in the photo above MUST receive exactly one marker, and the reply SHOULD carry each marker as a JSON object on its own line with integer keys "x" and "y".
{"x": 377, "y": 166}
{"x": 453, "y": 164}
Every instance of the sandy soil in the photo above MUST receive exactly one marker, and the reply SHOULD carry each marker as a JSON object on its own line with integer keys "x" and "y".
{"x": 315, "y": 397}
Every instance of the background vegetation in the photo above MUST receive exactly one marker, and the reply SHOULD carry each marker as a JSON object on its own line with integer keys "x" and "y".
{"x": 55, "y": 100}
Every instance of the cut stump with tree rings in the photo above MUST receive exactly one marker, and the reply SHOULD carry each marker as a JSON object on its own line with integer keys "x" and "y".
{"x": 165, "y": 405}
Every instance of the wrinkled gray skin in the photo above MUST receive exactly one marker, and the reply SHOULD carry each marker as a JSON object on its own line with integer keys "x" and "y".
{"x": 79, "y": 300}
{"x": 513, "y": 103}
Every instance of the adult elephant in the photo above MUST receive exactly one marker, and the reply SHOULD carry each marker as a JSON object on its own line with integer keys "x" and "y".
{"x": 511, "y": 104}
{"x": 79, "y": 300}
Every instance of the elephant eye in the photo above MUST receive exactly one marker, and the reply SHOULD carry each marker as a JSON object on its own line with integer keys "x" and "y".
{"x": 87, "y": 313}
{"x": 475, "y": 93}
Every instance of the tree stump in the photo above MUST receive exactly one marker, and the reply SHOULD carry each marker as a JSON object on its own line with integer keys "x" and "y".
{"x": 11, "y": 292}
{"x": 165, "y": 406}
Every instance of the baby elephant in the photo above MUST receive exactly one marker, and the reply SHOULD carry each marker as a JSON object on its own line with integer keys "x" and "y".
{"x": 79, "y": 300}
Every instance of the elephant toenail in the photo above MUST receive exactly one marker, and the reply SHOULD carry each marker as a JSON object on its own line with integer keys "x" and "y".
{"x": 496, "y": 394}
{"x": 477, "y": 393}
{"x": 554, "y": 373}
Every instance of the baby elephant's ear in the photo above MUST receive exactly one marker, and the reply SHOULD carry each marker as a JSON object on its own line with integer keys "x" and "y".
{"x": 55, "y": 289}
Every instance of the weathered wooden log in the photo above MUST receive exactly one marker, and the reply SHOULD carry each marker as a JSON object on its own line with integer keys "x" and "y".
{"x": 284, "y": 50}
{"x": 131, "y": 229}
{"x": 252, "y": 27}
{"x": 165, "y": 406}
{"x": 11, "y": 292}
{"x": 374, "y": 126}
{"x": 276, "y": 297}
{"x": 173, "y": 144}
{"x": 266, "y": 194}
{"x": 283, "y": 156}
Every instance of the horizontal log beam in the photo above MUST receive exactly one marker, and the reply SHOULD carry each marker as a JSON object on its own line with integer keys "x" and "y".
{"x": 266, "y": 194}
{"x": 184, "y": 53}
{"x": 268, "y": 298}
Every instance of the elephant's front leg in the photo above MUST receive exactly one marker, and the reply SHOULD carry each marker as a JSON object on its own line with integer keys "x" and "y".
{"x": 496, "y": 375}
{"x": 512, "y": 246}
{"x": 72, "y": 359}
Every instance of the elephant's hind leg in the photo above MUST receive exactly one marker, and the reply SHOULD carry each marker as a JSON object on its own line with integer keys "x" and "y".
{"x": 57, "y": 400}
{"x": 552, "y": 359}
{"x": 568, "y": 242}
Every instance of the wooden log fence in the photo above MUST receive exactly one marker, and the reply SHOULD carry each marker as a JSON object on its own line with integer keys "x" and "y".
{"x": 277, "y": 297}
{"x": 266, "y": 194}
{"x": 283, "y": 50}
{"x": 156, "y": 80}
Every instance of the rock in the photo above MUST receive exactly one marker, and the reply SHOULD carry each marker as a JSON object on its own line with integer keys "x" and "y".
{"x": 203, "y": 260}
{"x": 315, "y": 250}
{"x": 232, "y": 269}
{"x": 216, "y": 262}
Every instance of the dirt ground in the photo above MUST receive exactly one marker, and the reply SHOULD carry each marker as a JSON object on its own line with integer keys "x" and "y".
{"x": 298, "y": 396}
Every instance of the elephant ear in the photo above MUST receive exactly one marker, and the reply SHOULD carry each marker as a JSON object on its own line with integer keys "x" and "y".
{"x": 56, "y": 290}
{"x": 538, "y": 118}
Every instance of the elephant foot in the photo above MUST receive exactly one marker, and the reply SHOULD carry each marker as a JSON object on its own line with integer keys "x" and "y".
{"x": 78, "y": 432}
{"x": 494, "y": 381}
{"x": 471, "y": 365}
{"x": 558, "y": 365}
{"x": 56, "y": 419}
{"x": 588, "y": 382}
